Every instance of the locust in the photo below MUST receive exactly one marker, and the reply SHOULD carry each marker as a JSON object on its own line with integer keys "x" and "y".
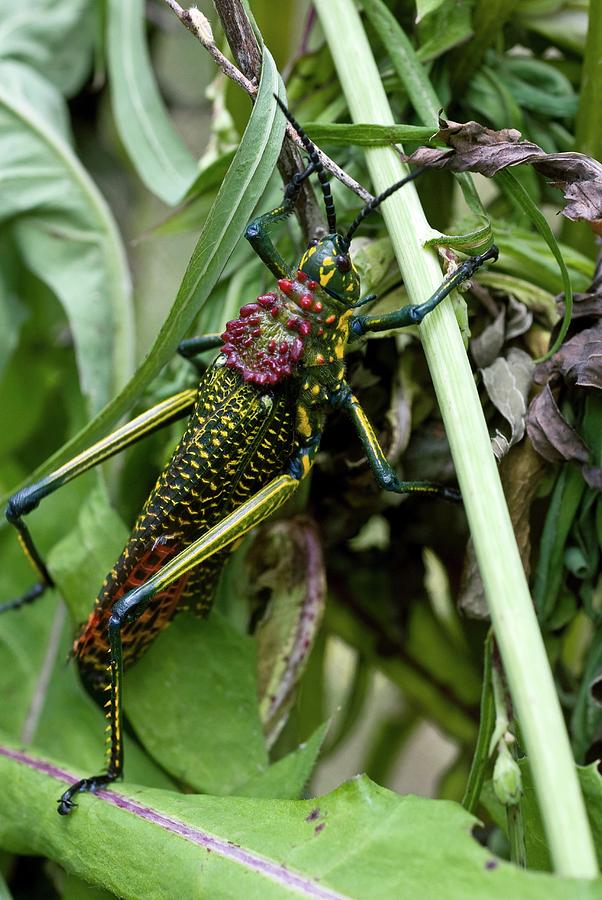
{"x": 254, "y": 428}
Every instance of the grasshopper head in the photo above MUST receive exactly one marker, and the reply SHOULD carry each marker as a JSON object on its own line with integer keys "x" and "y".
{"x": 327, "y": 261}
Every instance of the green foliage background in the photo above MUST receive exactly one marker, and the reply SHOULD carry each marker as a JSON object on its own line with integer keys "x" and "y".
{"x": 105, "y": 111}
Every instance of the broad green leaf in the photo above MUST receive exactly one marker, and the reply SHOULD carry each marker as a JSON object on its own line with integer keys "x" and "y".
{"x": 12, "y": 311}
{"x": 74, "y": 888}
{"x": 71, "y": 726}
{"x": 64, "y": 229}
{"x": 192, "y": 701}
{"x": 245, "y": 182}
{"x": 361, "y": 841}
{"x": 287, "y": 778}
{"x": 155, "y": 149}
{"x": 82, "y": 558}
{"x": 54, "y": 37}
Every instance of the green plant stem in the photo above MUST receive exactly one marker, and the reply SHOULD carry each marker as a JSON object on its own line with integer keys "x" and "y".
{"x": 513, "y": 617}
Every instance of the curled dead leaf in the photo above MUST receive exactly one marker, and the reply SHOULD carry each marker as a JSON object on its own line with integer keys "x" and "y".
{"x": 550, "y": 433}
{"x": 475, "y": 148}
{"x": 578, "y": 362}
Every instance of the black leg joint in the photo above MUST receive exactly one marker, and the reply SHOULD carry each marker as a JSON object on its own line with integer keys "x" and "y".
{"x": 357, "y": 327}
{"x": 340, "y": 397}
{"x": 20, "y": 504}
{"x": 252, "y": 231}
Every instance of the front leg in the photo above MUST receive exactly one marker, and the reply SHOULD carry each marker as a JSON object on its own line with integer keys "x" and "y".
{"x": 384, "y": 472}
{"x": 415, "y": 313}
{"x": 257, "y": 231}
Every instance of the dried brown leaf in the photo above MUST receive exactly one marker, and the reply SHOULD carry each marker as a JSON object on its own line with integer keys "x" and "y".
{"x": 487, "y": 346}
{"x": 578, "y": 361}
{"x": 550, "y": 433}
{"x": 479, "y": 149}
{"x": 507, "y": 382}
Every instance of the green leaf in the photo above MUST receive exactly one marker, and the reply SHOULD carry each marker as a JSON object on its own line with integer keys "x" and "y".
{"x": 405, "y": 60}
{"x": 288, "y": 567}
{"x": 64, "y": 229}
{"x": 12, "y": 311}
{"x": 366, "y": 135}
{"x": 443, "y": 25}
{"x": 54, "y": 37}
{"x": 74, "y": 888}
{"x": 287, "y": 778}
{"x": 562, "y": 509}
{"x": 361, "y": 841}
{"x": 587, "y": 714}
{"x": 155, "y": 149}
{"x": 474, "y": 785}
{"x": 192, "y": 701}
{"x": 81, "y": 559}
{"x": 245, "y": 182}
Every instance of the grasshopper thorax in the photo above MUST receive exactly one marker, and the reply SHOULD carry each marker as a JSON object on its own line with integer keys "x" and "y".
{"x": 327, "y": 262}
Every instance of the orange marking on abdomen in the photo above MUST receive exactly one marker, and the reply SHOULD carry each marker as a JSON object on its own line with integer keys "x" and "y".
{"x": 91, "y": 647}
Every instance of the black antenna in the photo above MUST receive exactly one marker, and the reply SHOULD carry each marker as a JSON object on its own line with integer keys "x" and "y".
{"x": 317, "y": 167}
{"x": 370, "y": 207}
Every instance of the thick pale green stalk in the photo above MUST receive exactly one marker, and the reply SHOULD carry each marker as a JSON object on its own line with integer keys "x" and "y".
{"x": 512, "y": 613}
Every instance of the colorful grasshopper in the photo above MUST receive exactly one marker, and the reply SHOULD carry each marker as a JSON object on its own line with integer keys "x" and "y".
{"x": 254, "y": 430}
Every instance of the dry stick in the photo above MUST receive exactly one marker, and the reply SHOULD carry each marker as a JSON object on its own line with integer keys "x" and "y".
{"x": 241, "y": 39}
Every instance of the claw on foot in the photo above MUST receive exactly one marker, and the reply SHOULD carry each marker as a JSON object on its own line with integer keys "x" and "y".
{"x": 87, "y": 785}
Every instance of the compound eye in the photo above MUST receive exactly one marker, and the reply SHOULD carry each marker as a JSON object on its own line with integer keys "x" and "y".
{"x": 343, "y": 263}
{"x": 313, "y": 243}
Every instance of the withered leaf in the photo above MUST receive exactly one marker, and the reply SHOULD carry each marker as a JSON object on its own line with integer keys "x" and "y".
{"x": 479, "y": 149}
{"x": 593, "y": 476}
{"x": 520, "y": 318}
{"x": 507, "y": 381}
{"x": 486, "y": 347}
{"x": 578, "y": 361}
{"x": 550, "y": 433}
